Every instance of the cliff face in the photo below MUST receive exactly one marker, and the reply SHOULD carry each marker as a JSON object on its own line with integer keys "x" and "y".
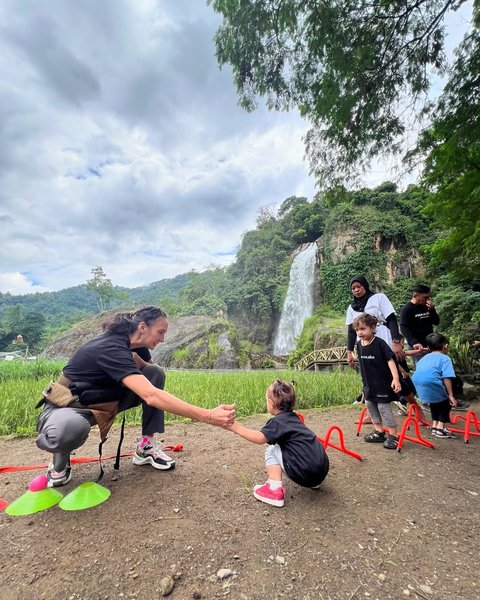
{"x": 191, "y": 342}
{"x": 399, "y": 260}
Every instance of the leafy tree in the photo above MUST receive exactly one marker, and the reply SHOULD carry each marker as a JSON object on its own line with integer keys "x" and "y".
{"x": 347, "y": 65}
{"x": 452, "y": 166}
{"x": 290, "y": 203}
{"x": 260, "y": 274}
{"x": 102, "y": 287}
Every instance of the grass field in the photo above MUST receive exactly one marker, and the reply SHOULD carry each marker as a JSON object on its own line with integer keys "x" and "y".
{"x": 21, "y": 385}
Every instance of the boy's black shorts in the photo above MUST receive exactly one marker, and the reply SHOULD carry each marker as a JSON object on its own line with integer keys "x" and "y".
{"x": 441, "y": 411}
{"x": 407, "y": 386}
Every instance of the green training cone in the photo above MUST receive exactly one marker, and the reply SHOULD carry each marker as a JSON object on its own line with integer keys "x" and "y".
{"x": 87, "y": 495}
{"x": 33, "y": 502}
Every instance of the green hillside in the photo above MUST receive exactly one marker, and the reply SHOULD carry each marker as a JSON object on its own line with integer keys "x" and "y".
{"x": 383, "y": 233}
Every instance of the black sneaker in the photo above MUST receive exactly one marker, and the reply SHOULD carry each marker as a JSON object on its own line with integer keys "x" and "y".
{"x": 461, "y": 405}
{"x": 155, "y": 456}
{"x": 59, "y": 478}
{"x": 391, "y": 442}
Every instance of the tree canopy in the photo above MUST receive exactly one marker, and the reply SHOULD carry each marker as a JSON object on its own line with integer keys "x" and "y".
{"x": 451, "y": 147}
{"x": 352, "y": 67}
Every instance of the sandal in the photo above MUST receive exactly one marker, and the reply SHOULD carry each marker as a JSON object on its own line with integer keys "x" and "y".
{"x": 375, "y": 437}
{"x": 391, "y": 443}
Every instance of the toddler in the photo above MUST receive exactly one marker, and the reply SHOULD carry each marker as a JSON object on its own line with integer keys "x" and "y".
{"x": 433, "y": 380}
{"x": 380, "y": 378}
{"x": 292, "y": 449}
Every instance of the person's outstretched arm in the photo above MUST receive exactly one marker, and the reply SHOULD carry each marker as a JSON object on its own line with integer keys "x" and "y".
{"x": 252, "y": 435}
{"x": 221, "y": 416}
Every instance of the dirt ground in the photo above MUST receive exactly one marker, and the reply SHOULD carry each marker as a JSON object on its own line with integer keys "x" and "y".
{"x": 395, "y": 525}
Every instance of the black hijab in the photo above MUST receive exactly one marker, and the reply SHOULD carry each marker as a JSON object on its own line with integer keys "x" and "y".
{"x": 359, "y": 304}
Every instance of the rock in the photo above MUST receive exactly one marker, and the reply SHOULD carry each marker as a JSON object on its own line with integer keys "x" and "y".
{"x": 166, "y": 585}
{"x": 469, "y": 392}
{"x": 202, "y": 342}
{"x": 425, "y": 588}
{"x": 371, "y": 531}
{"x": 382, "y": 577}
{"x": 280, "y": 560}
{"x": 224, "y": 574}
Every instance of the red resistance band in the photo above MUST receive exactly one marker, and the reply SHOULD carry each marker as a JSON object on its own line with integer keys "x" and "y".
{"x": 76, "y": 461}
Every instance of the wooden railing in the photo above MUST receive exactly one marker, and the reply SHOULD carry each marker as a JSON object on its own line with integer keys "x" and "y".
{"x": 323, "y": 357}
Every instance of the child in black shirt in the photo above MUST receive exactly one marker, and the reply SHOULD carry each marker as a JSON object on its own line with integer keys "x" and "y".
{"x": 293, "y": 448}
{"x": 380, "y": 378}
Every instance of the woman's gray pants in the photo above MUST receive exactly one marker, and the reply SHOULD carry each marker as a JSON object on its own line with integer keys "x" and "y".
{"x": 64, "y": 429}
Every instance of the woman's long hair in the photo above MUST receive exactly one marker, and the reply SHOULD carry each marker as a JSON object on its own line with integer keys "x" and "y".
{"x": 128, "y": 322}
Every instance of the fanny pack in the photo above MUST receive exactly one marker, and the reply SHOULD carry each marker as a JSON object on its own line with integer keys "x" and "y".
{"x": 102, "y": 403}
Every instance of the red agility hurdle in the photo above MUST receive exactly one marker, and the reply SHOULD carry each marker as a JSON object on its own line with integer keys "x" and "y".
{"x": 327, "y": 443}
{"x": 470, "y": 419}
{"x": 413, "y": 418}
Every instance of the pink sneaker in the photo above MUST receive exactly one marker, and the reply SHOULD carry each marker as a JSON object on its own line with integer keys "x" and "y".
{"x": 264, "y": 493}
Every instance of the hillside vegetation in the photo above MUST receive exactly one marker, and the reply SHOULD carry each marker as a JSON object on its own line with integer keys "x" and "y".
{"x": 383, "y": 233}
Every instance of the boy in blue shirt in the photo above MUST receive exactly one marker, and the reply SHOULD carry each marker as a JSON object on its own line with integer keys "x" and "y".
{"x": 433, "y": 380}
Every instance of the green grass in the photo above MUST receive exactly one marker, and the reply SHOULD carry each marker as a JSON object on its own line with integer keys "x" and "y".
{"x": 31, "y": 369}
{"x": 21, "y": 388}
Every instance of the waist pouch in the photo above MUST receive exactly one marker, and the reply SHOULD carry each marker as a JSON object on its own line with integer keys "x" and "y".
{"x": 58, "y": 394}
{"x": 87, "y": 396}
{"x": 102, "y": 403}
{"x": 65, "y": 393}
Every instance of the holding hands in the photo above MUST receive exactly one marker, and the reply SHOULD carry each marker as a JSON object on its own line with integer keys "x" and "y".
{"x": 222, "y": 416}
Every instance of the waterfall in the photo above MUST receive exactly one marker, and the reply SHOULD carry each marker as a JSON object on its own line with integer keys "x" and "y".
{"x": 298, "y": 304}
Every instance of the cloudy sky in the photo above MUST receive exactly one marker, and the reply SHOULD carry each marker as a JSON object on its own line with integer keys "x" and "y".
{"x": 122, "y": 145}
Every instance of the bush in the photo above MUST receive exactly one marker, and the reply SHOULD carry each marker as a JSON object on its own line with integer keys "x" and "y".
{"x": 268, "y": 363}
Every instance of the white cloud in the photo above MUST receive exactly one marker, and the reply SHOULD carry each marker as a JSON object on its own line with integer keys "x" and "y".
{"x": 122, "y": 145}
{"x": 18, "y": 283}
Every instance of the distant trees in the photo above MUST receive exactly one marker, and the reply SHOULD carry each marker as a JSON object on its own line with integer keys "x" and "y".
{"x": 20, "y": 328}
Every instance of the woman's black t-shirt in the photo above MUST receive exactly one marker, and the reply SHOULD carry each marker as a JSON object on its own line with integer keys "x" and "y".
{"x": 103, "y": 362}
{"x": 304, "y": 458}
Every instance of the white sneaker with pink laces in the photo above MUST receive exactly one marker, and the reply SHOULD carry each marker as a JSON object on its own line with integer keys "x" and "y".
{"x": 150, "y": 453}
{"x": 264, "y": 493}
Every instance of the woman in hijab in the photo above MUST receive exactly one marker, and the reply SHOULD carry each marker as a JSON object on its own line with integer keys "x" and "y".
{"x": 377, "y": 305}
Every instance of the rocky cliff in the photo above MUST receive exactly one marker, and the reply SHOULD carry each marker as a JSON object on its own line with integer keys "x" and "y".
{"x": 191, "y": 342}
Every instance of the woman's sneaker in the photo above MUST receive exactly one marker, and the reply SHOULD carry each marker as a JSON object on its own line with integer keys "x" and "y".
{"x": 152, "y": 454}
{"x": 264, "y": 493}
{"x": 59, "y": 478}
